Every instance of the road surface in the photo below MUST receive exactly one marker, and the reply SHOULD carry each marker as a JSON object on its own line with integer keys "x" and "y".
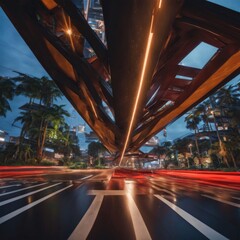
{"x": 102, "y": 205}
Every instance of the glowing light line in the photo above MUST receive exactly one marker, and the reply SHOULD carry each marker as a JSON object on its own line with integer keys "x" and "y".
{"x": 160, "y": 4}
{"x": 94, "y": 110}
{"x": 139, "y": 89}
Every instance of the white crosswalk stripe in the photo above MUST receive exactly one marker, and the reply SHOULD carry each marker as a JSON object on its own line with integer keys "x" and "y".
{"x": 85, "y": 225}
{"x": 140, "y": 229}
{"x": 14, "y": 185}
{"x": 236, "y": 198}
{"x": 22, "y": 189}
{"x": 30, "y": 205}
{"x": 200, "y": 226}
{"x": 86, "y": 177}
{"x": 222, "y": 201}
{"x": 25, "y": 195}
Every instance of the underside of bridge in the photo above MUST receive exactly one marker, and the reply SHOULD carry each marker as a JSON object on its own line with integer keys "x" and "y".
{"x": 137, "y": 78}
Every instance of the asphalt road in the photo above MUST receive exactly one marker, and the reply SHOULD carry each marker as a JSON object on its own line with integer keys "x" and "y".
{"x": 96, "y": 205}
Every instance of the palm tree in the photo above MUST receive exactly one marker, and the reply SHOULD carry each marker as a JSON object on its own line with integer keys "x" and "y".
{"x": 43, "y": 89}
{"x": 192, "y": 121}
{"x": 64, "y": 141}
{"x": 28, "y": 86}
{"x": 36, "y": 124}
{"x": 227, "y": 101}
{"x": 202, "y": 111}
{"x": 48, "y": 91}
{"x": 36, "y": 121}
{"x": 46, "y": 116}
{"x": 26, "y": 119}
{"x": 7, "y": 88}
{"x": 226, "y": 96}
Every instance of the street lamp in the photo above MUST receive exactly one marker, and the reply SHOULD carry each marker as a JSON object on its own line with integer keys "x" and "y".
{"x": 69, "y": 31}
{"x": 190, "y": 148}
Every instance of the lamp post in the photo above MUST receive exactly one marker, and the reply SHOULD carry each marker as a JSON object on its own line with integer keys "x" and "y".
{"x": 190, "y": 148}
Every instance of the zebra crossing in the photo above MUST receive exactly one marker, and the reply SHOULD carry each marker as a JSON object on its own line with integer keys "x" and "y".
{"x": 141, "y": 231}
{"x": 16, "y": 191}
{"x": 20, "y": 210}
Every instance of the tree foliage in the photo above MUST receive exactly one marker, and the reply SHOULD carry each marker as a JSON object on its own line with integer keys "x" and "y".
{"x": 7, "y": 88}
{"x": 96, "y": 148}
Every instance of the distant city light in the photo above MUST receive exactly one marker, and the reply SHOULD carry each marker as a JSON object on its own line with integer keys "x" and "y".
{"x": 48, "y": 149}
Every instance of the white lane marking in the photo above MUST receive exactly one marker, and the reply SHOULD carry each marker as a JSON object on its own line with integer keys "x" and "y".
{"x": 236, "y": 198}
{"x": 85, "y": 225}
{"x": 107, "y": 192}
{"x": 22, "y": 189}
{"x": 27, "y": 194}
{"x": 111, "y": 192}
{"x": 140, "y": 229}
{"x": 163, "y": 190}
{"x": 30, "y": 205}
{"x": 200, "y": 226}
{"x": 15, "y": 185}
{"x": 222, "y": 201}
{"x": 86, "y": 177}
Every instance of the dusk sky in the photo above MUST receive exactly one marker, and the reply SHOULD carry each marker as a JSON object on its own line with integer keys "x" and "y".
{"x": 15, "y": 55}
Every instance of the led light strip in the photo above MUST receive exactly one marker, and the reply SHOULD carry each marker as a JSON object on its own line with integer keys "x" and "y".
{"x": 160, "y": 4}
{"x": 139, "y": 89}
{"x": 93, "y": 108}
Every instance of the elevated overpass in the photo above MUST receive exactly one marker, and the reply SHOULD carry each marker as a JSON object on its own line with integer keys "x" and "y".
{"x": 139, "y": 80}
